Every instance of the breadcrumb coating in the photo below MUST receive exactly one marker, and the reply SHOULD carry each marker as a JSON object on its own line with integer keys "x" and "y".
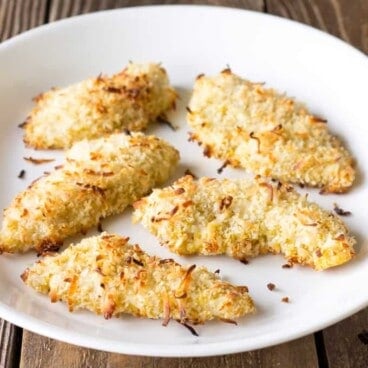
{"x": 99, "y": 106}
{"x": 99, "y": 178}
{"x": 243, "y": 218}
{"x": 267, "y": 133}
{"x": 108, "y": 276}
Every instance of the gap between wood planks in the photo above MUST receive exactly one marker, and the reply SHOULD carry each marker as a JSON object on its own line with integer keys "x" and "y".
{"x": 321, "y": 350}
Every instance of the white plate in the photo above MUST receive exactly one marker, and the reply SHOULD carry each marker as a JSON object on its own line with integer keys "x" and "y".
{"x": 327, "y": 74}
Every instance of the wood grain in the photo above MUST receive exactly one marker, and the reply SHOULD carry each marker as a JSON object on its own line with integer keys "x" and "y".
{"x": 15, "y": 17}
{"x": 19, "y": 15}
{"x": 344, "y": 349}
{"x": 41, "y": 352}
{"x": 10, "y": 344}
{"x": 343, "y": 18}
{"x": 66, "y": 8}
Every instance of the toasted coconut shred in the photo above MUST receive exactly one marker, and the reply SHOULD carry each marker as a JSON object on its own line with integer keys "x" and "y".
{"x": 121, "y": 286}
{"x": 237, "y": 121}
{"x": 243, "y": 218}
{"x": 266, "y": 133}
{"x": 95, "y": 107}
{"x": 38, "y": 161}
{"x": 99, "y": 178}
{"x": 340, "y": 211}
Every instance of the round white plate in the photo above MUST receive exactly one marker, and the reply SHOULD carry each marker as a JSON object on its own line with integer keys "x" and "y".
{"x": 327, "y": 74}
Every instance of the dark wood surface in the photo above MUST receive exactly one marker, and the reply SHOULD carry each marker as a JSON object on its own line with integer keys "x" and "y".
{"x": 335, "y": 347}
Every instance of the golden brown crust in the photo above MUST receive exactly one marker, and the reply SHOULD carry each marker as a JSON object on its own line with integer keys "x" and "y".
{"x": 108, "y": 276}
{"x": 266, "y": 133}
{"x": 243, "y": 218}
{"x": 99, "y": 178}
{"x": 99, "y": 106}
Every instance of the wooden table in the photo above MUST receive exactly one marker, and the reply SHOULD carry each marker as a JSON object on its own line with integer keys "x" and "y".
{"x": 343, "y": 345}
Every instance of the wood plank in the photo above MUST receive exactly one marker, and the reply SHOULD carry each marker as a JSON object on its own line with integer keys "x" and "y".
{"x": 343, "y": 18}
{"x": 67, "y": 8}
{"x": 10, "y": 344}
{"x": 39, "y": 351}
{"x": 347, "y": 342}
{"x": 15, "y": 17}
{"x": 43, "y": 352}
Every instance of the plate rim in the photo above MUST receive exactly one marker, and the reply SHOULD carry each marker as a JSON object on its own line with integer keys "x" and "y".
{"x": 29, "y": 33}
{"x": 45, "y": 329}
{"x": 41, "y": 327}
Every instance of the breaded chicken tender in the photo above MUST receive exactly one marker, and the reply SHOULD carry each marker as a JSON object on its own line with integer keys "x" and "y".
{"x": 267, "y": 133}
{"x": 95, "y": 107}
{"x": 99, "y": 178}
{"x": 243, "y": 218}
{"x": 108, "y": 276}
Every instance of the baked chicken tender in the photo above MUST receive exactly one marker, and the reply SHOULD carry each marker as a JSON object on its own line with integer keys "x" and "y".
{"x": 243, "y": 218}
{"x": 267, "y": 133}
{"x": 108, "y": 276}
{"x": 95, "y": 107}
{"x": 99, "y": 178}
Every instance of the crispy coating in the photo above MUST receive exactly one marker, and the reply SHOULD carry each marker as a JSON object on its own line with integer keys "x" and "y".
{"x": 98, "y": 106}
{"x": 108, "y": 276}
{"x": 99, "y": 178}
{"x": 243, "y": 218}
{"x": 267, "y": 133}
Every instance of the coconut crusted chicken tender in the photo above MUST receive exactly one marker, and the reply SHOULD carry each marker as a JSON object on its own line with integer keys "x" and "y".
{"x": 267, "y": 133}
{"x": 243, "y": 218}
{"x": 108, "y": 276}
{"x": 130, "y": 100}
{"x": 99, "y": 178}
